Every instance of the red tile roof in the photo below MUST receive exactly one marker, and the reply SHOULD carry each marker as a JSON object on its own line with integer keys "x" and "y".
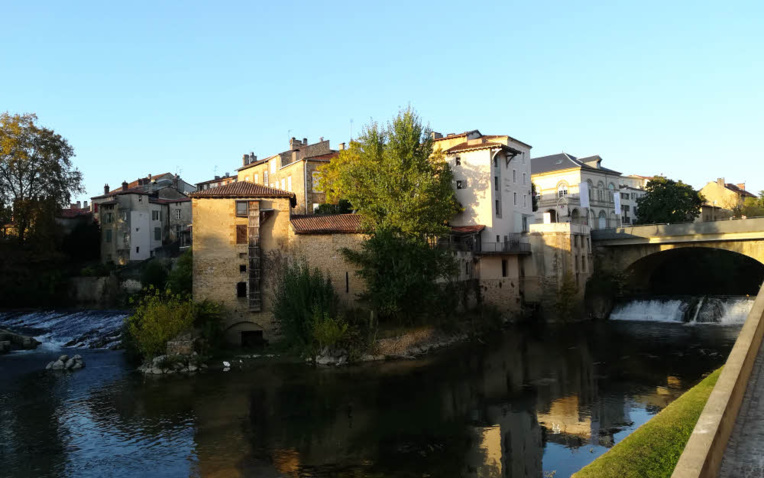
{"x": 467, "y": 229}
{"x": 169, "y": 201}
{"x": 136, "y": 183}
{"x": 118, "y": 191}
{"x": 742, "y": 192}
{"x": 243, "y": 189}
{"x": 324, "y": 157}
{"x": 327, "y": 224}
{"x": 473, "y": 147}
{"x": 73, "y": 212}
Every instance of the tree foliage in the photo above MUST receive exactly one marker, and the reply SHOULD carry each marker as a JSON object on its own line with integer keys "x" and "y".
{"x": 35, "y": 170}
{"x": 394, "y": 179}
{"x": 751, "y": 207}
{"x": 668, "y": 201}
{"x": 401, "y": 274}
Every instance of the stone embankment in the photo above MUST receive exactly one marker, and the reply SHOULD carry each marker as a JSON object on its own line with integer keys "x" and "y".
{"x": 64, "y": 363}
{"x": 409, "y": 345}
{"x": 12, "y": 341}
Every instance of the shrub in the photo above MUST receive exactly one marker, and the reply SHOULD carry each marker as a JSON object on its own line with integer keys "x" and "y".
{"x": 181, "y": 278}
{"x": 159, "y": 317}
{"x": 303, "y": 295}
{"x": 154, "y": 275}
{"x": 328, "y": 332}
{"x": 208, "y": 317}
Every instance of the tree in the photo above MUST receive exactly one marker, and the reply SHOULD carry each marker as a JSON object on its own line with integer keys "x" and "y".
{"x": 751, "y": 207}
{"x": 668, "y": 201}
{"x": 35, "y": 170}
{"x": 403, "y": 190}
{"x": 394, "y": 179}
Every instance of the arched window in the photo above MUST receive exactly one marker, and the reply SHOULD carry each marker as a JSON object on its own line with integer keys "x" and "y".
{"x": 562, "y": 190}
{"x": 610, "y": 192}
{"x": 602, "y": 220}
{"x": 600, "y": 191}
{"x": 591, "y": 188}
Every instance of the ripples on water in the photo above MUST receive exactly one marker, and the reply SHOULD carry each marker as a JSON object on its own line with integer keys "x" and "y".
{"x": 530, "y": 402}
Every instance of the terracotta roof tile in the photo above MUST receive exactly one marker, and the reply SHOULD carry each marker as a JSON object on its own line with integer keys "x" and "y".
{"x": 243, "y": 189}
{"x": 467, "y": 229}
{"x": 742, "y": 192}
{"x": 73, "y": 212}
{"x": 327, "y": 224}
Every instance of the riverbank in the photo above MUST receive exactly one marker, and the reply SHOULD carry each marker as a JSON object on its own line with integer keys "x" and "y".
{"x": 654, "y": 448}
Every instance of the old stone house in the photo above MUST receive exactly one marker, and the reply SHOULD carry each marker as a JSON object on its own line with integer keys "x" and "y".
{"x": 727, "y": 196}
{"x": 245, "y": 235}
{"x": 294, "y": 170}
{"x": 136, "y": 221}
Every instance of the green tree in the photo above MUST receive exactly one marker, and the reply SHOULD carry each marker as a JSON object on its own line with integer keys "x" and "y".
{"x": 668, "y": 201}
{"x": 751, "y": 207}
{"x": 35, "y": 170}
{"x": 394, "y": 179}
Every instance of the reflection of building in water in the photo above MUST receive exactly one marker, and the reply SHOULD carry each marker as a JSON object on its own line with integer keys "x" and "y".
{"x": 512, "y": 446}
{"x": 564, "y": 424}
{"x": 610, "y": 415}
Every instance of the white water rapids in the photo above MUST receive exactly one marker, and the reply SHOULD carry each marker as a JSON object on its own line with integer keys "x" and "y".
{"x": 705, "y": 310}
{"x": 78, "y": 328}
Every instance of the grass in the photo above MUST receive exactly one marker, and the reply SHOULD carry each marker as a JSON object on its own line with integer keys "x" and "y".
{"x": 653, "y": 450}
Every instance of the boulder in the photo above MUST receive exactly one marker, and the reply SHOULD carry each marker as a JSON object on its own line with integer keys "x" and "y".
{"x": 57, "y": 365}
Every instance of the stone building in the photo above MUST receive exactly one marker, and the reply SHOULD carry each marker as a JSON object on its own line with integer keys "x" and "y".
{"x": 215, "y": 182}
{"x": 244, "y": 236}
{"x": 557, "y": 179}
{"x": 727, "y": 196}
{"x": 492, "y": 182}
{"x": 139, "y": 219}
{"x": 294, "y": 170}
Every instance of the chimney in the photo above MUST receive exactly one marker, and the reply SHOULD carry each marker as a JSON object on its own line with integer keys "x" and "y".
{"x": 79, "y": 205}
{"x": 217, "y": 177}
{"x": 321, "y": 139}
{"x": 124, "y": 185}
{"x": 294, "y": 156}
{"x": 245, "y": 160}
{"x": 720, "y": 181}
{"x": 252, "y": 157}
{"x": 149, "y": 176}
{"x": 226, "y": 175}
{"x": 741, "y": 186}
{"x": 342, "y": 146}
{"x": 106, "y": 189}
{"x": 304, "y": 141}
{"x": 84, "y": 205}
{"x": 293, "y": 143}
{"x": 436, "y": 135}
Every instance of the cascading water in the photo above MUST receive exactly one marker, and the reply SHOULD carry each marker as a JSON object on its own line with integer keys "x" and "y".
{"x": 82, "y": 328}
{"x": 709, "y": 310}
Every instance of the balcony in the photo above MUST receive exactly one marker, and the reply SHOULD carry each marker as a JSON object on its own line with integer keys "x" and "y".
{"x": 516, "y": 244}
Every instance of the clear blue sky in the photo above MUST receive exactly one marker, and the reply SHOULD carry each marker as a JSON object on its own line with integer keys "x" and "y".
{"x": 150, "y": 87}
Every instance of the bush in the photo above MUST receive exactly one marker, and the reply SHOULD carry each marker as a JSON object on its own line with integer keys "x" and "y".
{"x": 208, "y": 320}
{"x": 302, "y": 296}
{"x": 154, "y": 275}
{"x": 328, "y": 332}
{"x": 181, "y": 277}
{"x": 159, "y": 317}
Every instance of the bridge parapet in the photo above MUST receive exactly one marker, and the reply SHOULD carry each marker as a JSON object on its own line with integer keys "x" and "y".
{"x": 737, "y": 230}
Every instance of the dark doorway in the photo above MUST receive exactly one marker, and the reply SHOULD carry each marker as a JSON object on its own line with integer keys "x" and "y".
{"x": 251, "y": 339}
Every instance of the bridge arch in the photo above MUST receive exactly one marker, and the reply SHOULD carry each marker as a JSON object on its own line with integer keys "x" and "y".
{"x": 695, "y": 270}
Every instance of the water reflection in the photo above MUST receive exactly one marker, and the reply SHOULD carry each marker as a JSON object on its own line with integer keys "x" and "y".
{"x": 530, "y": 402}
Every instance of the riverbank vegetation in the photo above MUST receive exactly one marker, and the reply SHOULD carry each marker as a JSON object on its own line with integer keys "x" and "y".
{"x": 654, "y": 448}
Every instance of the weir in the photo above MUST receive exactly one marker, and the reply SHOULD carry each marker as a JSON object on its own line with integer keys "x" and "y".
{"x": 83, "y": 328}
{"x": 723, "y": 310}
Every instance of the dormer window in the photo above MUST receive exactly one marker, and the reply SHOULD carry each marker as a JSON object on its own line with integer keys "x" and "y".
{"x": 562, "y": 190}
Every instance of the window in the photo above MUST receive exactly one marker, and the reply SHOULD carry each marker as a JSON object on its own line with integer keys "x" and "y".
{"x": 524, "y": 176}
{"x": 154, "y": 215}
{"x": 514, "y": 175}
{"x": 265, "y": 178}
{"x": 525, "y": 200}
{"x": 246, "y": 178}
{"x": 347, "y": 282}
{"x": 583, "y": 263}
{"x": 504, "y": 268}
{"x": 177, "y": 214}
{"x": 289, "y": 184}
{"x": 241, "y": 234}
{"x": 140, "y": 198}
{"x": 283, "y": 184}
{"x": 108, "y": 235}
{"x": 273, "y": 165}
{"x": 498, "y": 208}
{"x": 256, "y": 178}
{"x": 467, "y": 267}
{"x": 514, "y": 198}
{"x": 242, "y": 208}
{"x": 576, "y": 260}
{"x": 157, "y": 233}
{"x": 109, "y": 217}
{"x": 241, "y": 289}
{"x": 242, "y": 268}
{"x": 137, "y": 249}
{"x": 496, "y": 183}
{"x": 562, "y": 190}
{"x": 316, "y": 178}
{"x": 125, "y": 239}
{"x": 458, "y": 161}
{"x": 461, "y": 184}
{"x": 123, "y": 215}
{"x": 496, "y": 162}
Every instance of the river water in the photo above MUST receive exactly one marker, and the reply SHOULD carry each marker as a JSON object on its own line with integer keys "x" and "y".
{"x": 529, "y": 403}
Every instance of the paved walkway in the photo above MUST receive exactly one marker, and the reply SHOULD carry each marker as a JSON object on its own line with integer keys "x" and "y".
{"x": 744, "y": 457}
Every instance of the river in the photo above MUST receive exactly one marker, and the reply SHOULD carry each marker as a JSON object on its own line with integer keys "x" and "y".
{"x": 532, "y": 402}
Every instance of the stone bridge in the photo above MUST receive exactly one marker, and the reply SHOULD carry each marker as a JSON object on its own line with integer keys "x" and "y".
{"x": 624, "y": 247}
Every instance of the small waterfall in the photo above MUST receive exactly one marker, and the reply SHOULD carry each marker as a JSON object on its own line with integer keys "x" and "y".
{"x": 81, "y": 328}
{"x": 705, "y": 310}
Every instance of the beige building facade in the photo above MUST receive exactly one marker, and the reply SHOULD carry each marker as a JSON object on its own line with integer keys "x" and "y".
{"x": 727, "y": 196}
